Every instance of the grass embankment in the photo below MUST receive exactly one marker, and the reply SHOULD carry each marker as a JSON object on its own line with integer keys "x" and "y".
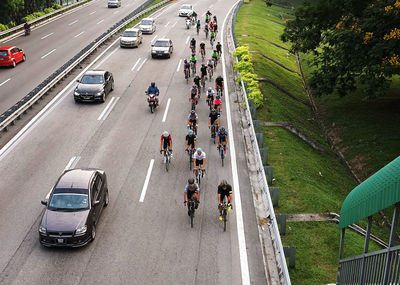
{"x": 309, "y": 181}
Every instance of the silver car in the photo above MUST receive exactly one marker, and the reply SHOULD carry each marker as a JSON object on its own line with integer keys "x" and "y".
{"x": 162, "y": 48}
{"x": 131, "y": 38}
{"x": 147, "y": 26}
{"x": 114, "y": 3}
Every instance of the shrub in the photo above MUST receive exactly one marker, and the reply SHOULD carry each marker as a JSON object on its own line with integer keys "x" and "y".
{"x": 48, "y": 10}
{"x": 246, "y": 72}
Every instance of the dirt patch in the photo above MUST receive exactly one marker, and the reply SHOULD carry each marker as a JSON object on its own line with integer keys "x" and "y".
{"x": 358, "y": 165}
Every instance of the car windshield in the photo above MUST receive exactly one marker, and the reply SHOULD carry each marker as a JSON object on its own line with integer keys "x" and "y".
{"x": 145, "y": 22}
{"x": 129, "y": 34}
{"x": 161, "y": 44}
{"x": 3, "y": 53}
{"x": 69, "y": 202}
{"x": 186, "y": 7}
{"x": 92, "y": 79}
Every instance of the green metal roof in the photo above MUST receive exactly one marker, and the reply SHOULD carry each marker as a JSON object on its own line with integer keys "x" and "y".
{"x": 378, "y": 192}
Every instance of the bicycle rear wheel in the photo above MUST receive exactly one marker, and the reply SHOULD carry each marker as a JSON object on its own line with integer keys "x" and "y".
{"x": 191, "y": 214}
{"x": 167, "y": 163}
{"x": 222, "y": 155}
{"x": 224, "y": 217}
{"x": 190, "y": 160}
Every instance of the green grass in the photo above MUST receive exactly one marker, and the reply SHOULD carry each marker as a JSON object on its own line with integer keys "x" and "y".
{"x": 316, "y": 263}
{"x": 133, "y": 23}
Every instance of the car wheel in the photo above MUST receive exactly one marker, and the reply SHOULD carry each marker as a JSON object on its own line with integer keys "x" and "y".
{"x": 103, "y": 98}
{"x": 152, "y": 56}
{"x": 106, "y": 199}
{"x": 112, "y": 86}
{"x": 76, "y": 101}
{"x": 93, "y": 235}
{"x": 14, "y": 64}
{"x": 24, "y": 58}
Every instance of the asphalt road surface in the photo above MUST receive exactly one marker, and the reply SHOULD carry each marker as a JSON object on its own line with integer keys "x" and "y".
{"x": 51, "y": 45}
{"x": 148, "y": 242}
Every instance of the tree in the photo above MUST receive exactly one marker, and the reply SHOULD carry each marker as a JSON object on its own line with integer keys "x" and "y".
{"x": 11, "y": 11}
{"x": 355, "y": 41}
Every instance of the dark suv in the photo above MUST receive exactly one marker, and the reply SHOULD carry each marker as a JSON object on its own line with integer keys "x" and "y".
{"x": 94, "y": 86}
{"x": 74, "y": 208}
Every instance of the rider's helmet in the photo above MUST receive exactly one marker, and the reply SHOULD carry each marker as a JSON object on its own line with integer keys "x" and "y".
{"x": 190, "y": 181}
{"x": 222, "y": 129}
{"x": 193, "y": 112}
{"x": 199, "y": 150}
{"x": 209, "y": 89}
{"x": 185, "y": 61}
{"x": 193, "y": 39}
{"x": 213, "y": 111}
{"x": 153, "y": 84}
{"x": 217, "y": 97}
{"x": 215, "y": 50}
{"x": 165, "y": 134}
{"x": 203, "y": 65}
{"x": 190, "y": 132}
{"x": 193, "y": 54}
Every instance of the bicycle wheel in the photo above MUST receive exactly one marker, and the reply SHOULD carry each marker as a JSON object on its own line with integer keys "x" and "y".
{"x": 190, "y": 160}
{"x": 222, "y": 155}
{"x": 199, "y": 177}
{"x": 167, "y": 162}
{"x": 191, "y": 214}
{"x": 224, "y": 216}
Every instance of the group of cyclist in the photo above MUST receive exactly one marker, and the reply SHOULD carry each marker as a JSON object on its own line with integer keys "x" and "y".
{"x": 214, "y": 102}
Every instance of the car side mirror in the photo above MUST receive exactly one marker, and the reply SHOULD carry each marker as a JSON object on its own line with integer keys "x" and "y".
{"x": 77, "y": 80}
{"x": 43, "y": 202}
{"x": 96, "y": 203}
{"x": 152, "y": 45}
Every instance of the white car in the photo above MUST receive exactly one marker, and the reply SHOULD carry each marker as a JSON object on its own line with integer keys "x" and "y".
{"x": 114, "y": 3}
{"x": 147, "y": 26}
{"x": 185, "y": 10}
{"x": 162, "y": 48}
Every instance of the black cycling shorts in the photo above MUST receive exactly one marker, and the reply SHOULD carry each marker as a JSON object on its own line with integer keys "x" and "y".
{"x": 199, "y": 162}
{"x": 223, "y": 194}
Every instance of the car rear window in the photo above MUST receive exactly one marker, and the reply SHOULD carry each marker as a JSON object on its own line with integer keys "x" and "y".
{"x": 186, "y": 7}
{"x": 161, "y": 44}
{"x": 129, "y": 34}
{"x": 3, "y": 52}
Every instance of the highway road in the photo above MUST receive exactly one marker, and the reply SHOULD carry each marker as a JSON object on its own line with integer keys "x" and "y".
{"x": 51, "y": 45}
{"x": 146, "y": 241}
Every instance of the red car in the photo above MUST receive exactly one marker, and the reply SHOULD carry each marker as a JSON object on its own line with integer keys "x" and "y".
{"x": 10, "y": 56}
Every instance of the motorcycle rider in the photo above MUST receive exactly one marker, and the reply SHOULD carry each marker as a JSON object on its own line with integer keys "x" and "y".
{"x": 153, "y": 89}
{"x": 27, "y": 28}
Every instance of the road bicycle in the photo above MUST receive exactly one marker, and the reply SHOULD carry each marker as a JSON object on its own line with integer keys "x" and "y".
{"x": 190, "y": 152}
{"x": 214, "y": 130}
{"x": 200, "y": 175}
{"x": 203, "y": 82}
{"x": 206, "y": 31}
{"x": 198, "y": 29}
{"x": 193, "y": 127}
{"x": 221, "y": 151}
{"x": 219, "y": 91}
{"x": 203, "y": 54}
{"x": 224, "y": 211}
{"x": 167, "y": 158}
{"x": 191, "y": 209}
{"x": 193, "y": 103}
{"x": 193, "y": 67}
{"x": 187, "y": 74}
{"x": 212, "y": 39}
{"x": 210, "y": 72}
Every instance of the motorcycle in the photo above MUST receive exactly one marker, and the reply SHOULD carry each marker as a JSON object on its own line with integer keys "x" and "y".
{"x": 152, "y": 100}
{"x": 27, "y": 31}
{"x": 187, "y": 24}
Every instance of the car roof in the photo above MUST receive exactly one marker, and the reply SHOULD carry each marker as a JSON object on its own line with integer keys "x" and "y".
{"x": 151, "y": 19}
{"x": 78, "y": 178}
{"x": 132, "y": 30}
{"x": 163, "y": 40}
{"x": 186, "y": 5}
{"x": 8, "y": 47}
{"x": 95, "y": 72}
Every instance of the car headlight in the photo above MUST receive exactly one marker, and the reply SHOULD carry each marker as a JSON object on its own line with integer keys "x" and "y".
{"x": 153, "y": 51}
{"x": 42, "y": 230}
{"x": 99, "y": 93}
{"x": 76, "y": 93}
{"x": 81, "y": 231}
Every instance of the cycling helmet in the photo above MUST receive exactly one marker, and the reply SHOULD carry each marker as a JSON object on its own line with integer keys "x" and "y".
{"x": 217, "y": 97}
{"x": 193, "y": 112}
{"x": 209, "y": 89}
{"x": 153, "y": 84}
{"x": 222, "y": 129}
{"x": 213, "y": 111}
{"x": 190, "y": 132}
{"x": 193, "y": 54}
{"x": 185, "y": 60}
{"x": 202, "y": 42}
{"x": 215, "y": 50}
{"x": 190, "y": 181}
{"x": 165, "y": 134}
{"x": 199, "y": 150}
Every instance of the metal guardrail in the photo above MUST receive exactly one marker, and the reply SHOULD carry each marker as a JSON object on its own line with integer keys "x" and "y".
{"x": 41, "y": 18}
{"x": 260, "y": 170}
{"x": 19, "y": 108}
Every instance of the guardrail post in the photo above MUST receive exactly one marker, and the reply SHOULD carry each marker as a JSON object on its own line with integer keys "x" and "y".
{"x": 269, "y": 173}
{"x": 264, "y": 155}
{"x": 274, "y": 193}
{"x": 281, "y": 220}
{"x": 253, "y": 113}
{"x": 260, "y": 139}
{"x": 290, "y": 252}
{"x": 256, "y": 124}
{"x": 251, "y": 103}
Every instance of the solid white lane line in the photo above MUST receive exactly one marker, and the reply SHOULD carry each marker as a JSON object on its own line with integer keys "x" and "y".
{"x": 46, "y": 36}
{"x": 187, "y": 40}
{"x": 146, "y": 182}
{"x": 135, "y": 64}
{"x": 111, "y": 107}
{"x": 244, "y": 266}
{"x": 50, "y": 52}
{"x": 166, "y": 110}
{"x": 107, "y": 57}
{"x": 106, "y": 108}
{"x": 140, "y": 66}
{"x": 179, "y": 65}
{"x": 115, "y": 12}
{"x": 71, "y": 164}
{"x": 99, "y": 22}
{"x": 153, "y": 38}
{"x": 70, "y": 24}
{"x": 92, "y": 13}
{"x": 166, "y": 24}
{"x": 78, "y": 34}
{"x": 35, "y": 121}
{"x": 4, "y": 82}
{"x": 173, "y": 25}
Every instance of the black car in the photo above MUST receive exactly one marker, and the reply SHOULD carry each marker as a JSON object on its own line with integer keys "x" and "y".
{"x": 74, "y": 208}
{"x": 94, "y": 86}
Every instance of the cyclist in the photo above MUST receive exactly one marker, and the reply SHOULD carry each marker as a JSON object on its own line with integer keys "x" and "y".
{"x": 203, "y": 72}
{"x": 197, "y": 82}
{"x": 206, "y": 30}
{"x": 213, "y": 121}
{"x": 219, "y": 48}
{"x": 219, "y": 84}
{"x": 193, "y": 60}
{"x": 153, "y": 89}
{"x": 224, "y": 189}
{"x": 194, "y": 16}
{"x": 199, "y": 159}
{"x": 190, "y": 140}
{"x": 217, "y": 104}
{"x": 193, "y": 121}
{"x": 208, "y": 15}
{"x": 166, "y": 143}
{"x": 193, "y": 45}
{"x": 211, "y": 26}
{"x": 193, "y": 94}
{"x": 210, "y": 96}
{"x": 222, "y": 138}
{"x": 215, "y": 19}
{"x": 215, "y": 28}
{"x": 203, "y": 49}
{"x": 214, "y": 56}
{"x": 191, "y": 190}
{"x": 212, "y": 38}
{"x": 198, "y": 26}
{"x": 210, "y": 65}
{"x": 186, "y": 68}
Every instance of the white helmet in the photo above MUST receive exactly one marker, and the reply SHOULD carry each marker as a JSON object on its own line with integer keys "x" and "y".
{"x": 165, "y": 134}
